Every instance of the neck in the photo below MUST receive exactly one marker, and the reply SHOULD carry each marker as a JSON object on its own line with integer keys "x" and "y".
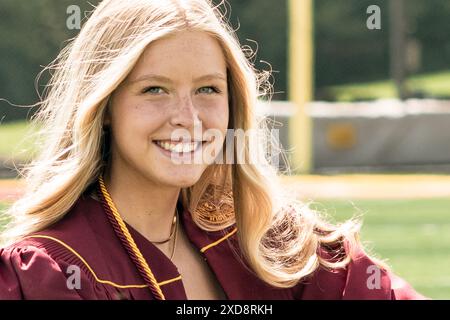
{"x": 147, "y": 207}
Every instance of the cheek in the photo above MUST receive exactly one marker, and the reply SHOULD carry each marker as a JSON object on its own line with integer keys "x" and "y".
{"x": 217, "y": 118}
{"x": 133, "y": 123}
{"x": 224, "y": 119}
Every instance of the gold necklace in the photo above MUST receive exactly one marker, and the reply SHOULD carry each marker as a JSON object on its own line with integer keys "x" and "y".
{"x": 172, "y": 229}
{"x": 174, "y": 233}
{"x": 175, "y": 240}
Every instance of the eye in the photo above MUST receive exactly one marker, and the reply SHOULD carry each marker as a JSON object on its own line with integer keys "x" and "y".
{"x": 153, "y": 90}
{"x": 209, "y": 90}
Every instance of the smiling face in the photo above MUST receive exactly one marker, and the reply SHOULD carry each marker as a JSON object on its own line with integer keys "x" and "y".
{"x": 178, "y": 84}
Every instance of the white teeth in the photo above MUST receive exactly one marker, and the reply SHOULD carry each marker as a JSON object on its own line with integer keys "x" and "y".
{"x": 178, "y": 147}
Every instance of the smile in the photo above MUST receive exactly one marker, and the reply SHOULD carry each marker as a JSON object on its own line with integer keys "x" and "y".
{"x": 177, "y": 146}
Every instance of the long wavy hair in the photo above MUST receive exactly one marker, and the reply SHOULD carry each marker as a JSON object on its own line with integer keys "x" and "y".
{"x": 279, "y": 237}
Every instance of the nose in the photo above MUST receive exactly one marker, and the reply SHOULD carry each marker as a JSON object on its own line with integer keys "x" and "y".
{"x": 185, "y": 114}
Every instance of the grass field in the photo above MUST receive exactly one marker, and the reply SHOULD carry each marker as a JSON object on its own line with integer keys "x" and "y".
{"x": 3, "y": 219}
{"x": 413, "y": 236}
{"x": 436, "y": 84}
{"x": 17, "y": 140}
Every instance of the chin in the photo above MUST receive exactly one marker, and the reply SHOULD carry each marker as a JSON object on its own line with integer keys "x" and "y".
{"x": 184, "y": 179}
{"x": 185, "y": 183}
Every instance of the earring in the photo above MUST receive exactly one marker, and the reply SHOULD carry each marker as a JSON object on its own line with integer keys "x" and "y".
{"x": 217, "y": 212}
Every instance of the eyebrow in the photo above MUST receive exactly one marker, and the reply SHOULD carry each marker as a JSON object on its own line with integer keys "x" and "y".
{"x": 160, "y": 78}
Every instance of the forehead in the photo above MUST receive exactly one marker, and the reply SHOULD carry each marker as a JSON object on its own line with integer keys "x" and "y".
{"x": 186, "y": 53}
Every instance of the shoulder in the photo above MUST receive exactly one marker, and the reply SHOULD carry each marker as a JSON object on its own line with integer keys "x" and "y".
{"x": 368, "y": 279}
{"x": 40, "y": 265}
{"x": 27, "y": 271}
{"x": 362, "y": 279}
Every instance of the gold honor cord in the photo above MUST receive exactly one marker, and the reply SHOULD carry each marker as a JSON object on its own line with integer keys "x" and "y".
{"x": 129, "y": 239}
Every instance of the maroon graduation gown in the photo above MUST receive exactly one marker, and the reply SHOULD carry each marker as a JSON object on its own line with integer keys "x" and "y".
{"x": 38, "y": 267}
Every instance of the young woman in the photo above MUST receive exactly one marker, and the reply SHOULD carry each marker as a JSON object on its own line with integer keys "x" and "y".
{"x": 114, "y": 209}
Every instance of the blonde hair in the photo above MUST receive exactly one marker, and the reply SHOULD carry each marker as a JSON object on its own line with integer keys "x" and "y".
{"x": 279, "y": 237}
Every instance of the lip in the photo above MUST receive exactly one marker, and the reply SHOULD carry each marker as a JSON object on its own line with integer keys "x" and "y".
{"x": 180, "y": 156}
{"x": 180, "y": 140}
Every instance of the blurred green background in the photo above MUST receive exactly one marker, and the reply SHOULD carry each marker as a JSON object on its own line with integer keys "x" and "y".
{"x": 351, "y": 63}
{"x": 412, "y": 235}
